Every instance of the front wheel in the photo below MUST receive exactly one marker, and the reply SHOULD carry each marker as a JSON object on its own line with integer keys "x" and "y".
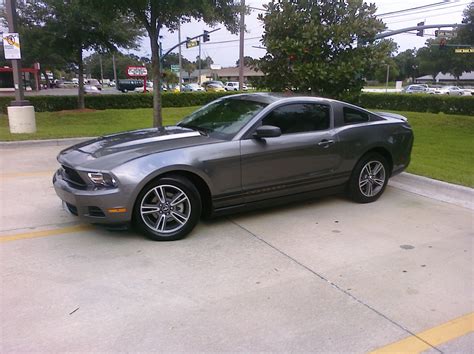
{"x": 168, "y": 209}
{"x": 369, "y": 178}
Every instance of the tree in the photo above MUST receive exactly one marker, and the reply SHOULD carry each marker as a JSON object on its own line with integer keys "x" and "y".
{"x": 189, "y": 68}
{"x": 68, "y": 27}
{"x": 465, "y": 34}
{"x": 319, "y": 46}
{"x": 173, "y": 59}
{"x": 407, "y": 63}
{"x": 205, "y": 63}
{"x": 248, "y": 62}
{"x": 153, "y": 15}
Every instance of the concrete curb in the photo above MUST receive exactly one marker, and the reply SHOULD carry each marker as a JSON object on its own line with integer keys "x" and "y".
{"x": 46, "y": 142}
{"x": 434, "y": 189}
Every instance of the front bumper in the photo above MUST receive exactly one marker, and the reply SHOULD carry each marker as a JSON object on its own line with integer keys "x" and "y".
{"x": 99, "y": 206}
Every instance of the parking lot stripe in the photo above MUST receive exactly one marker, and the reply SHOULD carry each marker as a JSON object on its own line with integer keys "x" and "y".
{"x": 434, "y": 336}
{"x": 26, "y": 174}
{"x": 44, "y": 233}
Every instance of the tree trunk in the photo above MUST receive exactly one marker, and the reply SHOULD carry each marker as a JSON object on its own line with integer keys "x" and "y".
{"x": 81, "y": 103}
{"x": 156, "y": 75}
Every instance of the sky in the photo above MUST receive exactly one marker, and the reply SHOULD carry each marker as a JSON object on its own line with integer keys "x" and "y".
{"x": 226, "y": 54}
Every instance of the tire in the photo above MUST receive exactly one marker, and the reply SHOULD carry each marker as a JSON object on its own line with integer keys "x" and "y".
{"x": 167, "y": 209}
{"x": 369, "y": 178}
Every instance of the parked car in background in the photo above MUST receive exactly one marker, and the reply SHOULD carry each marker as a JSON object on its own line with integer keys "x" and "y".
{"x": 93, "y": 82}
{"x": 213, "y": 86}
{"x": 192, "y": 88}
{"x": 91, "y": 89}
{"x": 128, "y": 85}
{"x": 415, "y": 89}
{"x": 140, "y": 89}
{"x": 235, "y": 153}
{"x": 65, "y": 84}
{"x": 234, "y": 86}
{"x": 450, "y": 90}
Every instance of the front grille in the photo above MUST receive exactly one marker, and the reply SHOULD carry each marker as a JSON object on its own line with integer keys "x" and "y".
{"x": 71, "y": 176}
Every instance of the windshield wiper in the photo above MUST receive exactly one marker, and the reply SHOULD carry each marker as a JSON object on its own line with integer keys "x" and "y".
{"x": 203, "y": 131}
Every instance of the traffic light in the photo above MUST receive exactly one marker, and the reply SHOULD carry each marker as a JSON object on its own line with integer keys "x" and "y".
{"x": 205, "y": 36}
{"x": 436, "y": 33}
{"x": 187, "y": 42}
{"x": 442, "y": 43}
{"x": 420, "y": 32}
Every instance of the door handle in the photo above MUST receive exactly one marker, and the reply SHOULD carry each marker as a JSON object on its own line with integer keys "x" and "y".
{"x": 325, "y": 143}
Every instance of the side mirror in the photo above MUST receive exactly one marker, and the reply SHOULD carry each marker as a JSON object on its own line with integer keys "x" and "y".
{"x": 267, "y": 131}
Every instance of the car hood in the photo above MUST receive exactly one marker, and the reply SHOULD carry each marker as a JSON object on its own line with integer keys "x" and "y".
{"x": 106, "y": 152}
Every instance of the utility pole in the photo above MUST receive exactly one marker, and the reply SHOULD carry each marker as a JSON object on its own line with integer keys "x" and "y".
{"x": 115, "y": 69}
{"x": 179, "y": 58}
{"x": 21, "y": 114}
{"x": 386, "y": 81}
{"x": 16, "y": 63}
{"x": 199, "y": 80}
{"x": 101, "y": 70}
{"x": 241, "y": 49}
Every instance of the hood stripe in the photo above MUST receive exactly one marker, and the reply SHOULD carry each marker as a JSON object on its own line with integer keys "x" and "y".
{"x": 158, "y": 138}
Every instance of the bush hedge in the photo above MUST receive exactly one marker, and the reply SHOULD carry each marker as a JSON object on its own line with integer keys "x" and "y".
{"x": 400, "y": 102}
{"x": 418, "y": 103}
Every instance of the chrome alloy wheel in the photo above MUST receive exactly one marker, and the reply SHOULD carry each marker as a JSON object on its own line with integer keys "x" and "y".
{"x": 165, "y": 208}
{"x": 372, "y": 178}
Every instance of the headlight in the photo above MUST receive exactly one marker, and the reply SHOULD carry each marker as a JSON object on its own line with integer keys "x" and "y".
{"x": 102, "y": 179}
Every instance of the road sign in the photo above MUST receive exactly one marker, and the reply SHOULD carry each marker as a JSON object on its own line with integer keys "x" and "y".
{"x": 464, "y": 50}
{"x": 444, "y": 33}
{"x": 190, "y": 44}
{"x": 11, "y": 45}
{"x": 175, "y": 68}
{"x": 136, "y": 71}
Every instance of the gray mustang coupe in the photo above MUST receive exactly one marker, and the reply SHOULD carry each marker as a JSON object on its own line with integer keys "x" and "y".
{"x": 235, "y": 153}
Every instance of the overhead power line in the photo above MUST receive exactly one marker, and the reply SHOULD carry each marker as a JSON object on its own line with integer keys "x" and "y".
{"x": 436, "y": 4}
{"x": 423, "y": 11}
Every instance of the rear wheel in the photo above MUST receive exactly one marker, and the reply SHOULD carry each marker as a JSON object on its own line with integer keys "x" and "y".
{"x": 369, "y": 178}
{"x": 168, "y": 209}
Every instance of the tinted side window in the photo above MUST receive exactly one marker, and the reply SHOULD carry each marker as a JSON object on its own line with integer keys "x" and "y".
{"x": 354, "y": 116}
{"x": 299, "y": 118}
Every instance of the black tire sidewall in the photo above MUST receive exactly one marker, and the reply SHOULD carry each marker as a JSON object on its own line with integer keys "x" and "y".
{"x": 194, "y": 197}
{"x": 354, "y": 189}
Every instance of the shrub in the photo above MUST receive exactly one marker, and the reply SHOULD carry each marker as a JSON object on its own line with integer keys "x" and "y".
{"x": 398, "y": 102}
{"x": 418, "y": 103}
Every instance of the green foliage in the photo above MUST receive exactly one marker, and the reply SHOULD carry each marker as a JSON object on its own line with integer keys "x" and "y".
{"x": 92, "y": 64}
{"x": 118, "y": 101}
{"x": 465, "y": 34}
{"x": 418, "y": 103}
{"x": 407, "y": 64}
{"x": 318, "y": 46}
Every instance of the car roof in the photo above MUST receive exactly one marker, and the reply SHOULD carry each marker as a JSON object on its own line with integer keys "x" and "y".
{"x": 269, "y": 98}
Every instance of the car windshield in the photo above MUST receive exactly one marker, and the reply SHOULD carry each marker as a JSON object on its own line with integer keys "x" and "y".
{"x": 223, "y": 118}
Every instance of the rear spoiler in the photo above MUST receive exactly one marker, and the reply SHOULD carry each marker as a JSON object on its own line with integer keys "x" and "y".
{"x": 392, "y": 115}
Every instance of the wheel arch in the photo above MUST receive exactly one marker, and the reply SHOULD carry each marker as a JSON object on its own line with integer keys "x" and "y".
{"x": 199, "y": 182}
{"x": 382, "y": 151}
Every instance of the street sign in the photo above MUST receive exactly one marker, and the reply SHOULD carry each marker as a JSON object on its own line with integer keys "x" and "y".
{"x": 136, "y": 71}
{"x": 444, "y": 33}
{"x": 175, "y": 68}
{"x": 190, "y": 44}
{"x": 464, "y": 50}
{"x": 11, "y": 45}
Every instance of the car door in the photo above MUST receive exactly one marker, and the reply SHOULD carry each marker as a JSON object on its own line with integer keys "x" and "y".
{"x": 303, "y": 158}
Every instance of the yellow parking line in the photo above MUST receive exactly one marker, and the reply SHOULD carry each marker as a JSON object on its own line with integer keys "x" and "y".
{"x": 44, "y": 233}
{"x": 26, "y": 174}
{"x": 435, "y": 336}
